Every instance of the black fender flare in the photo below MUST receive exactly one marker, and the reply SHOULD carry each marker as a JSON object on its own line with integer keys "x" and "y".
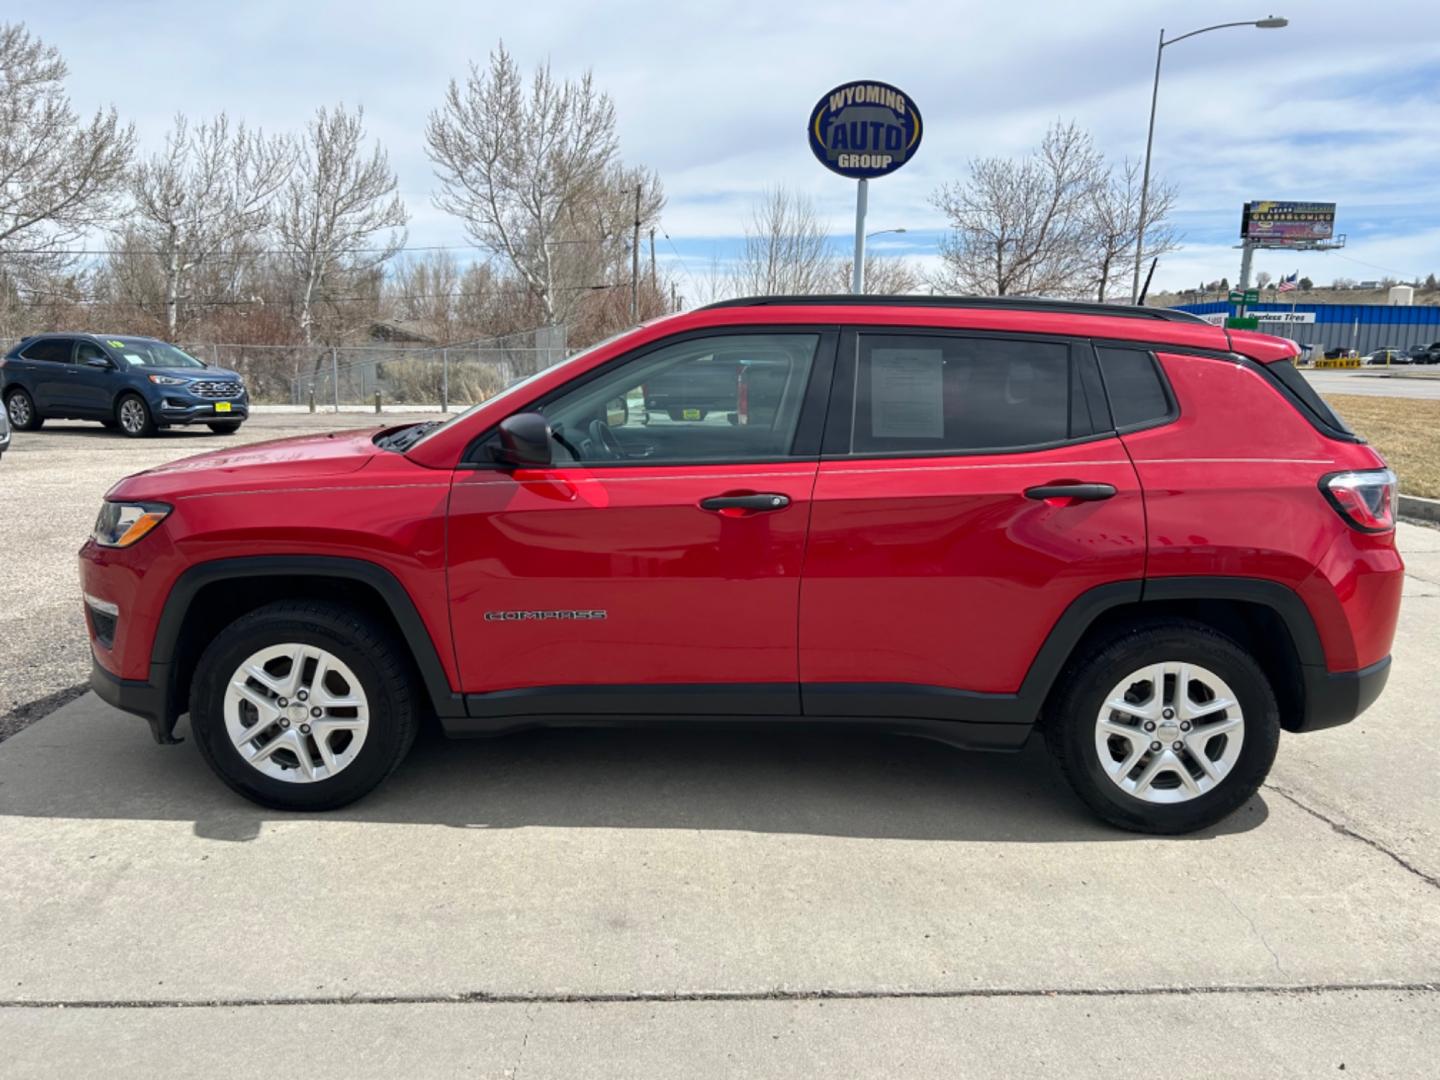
{"x": 443, "y": 698}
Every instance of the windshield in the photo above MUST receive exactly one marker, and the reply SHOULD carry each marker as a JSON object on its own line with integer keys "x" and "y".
{"x": 137, "y": 352}
{"x": 516, "y": 387}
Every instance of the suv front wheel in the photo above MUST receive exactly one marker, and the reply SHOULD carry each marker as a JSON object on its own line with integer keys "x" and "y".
{"x": 303, "y": 705}
{"x": 1167, "y": 728}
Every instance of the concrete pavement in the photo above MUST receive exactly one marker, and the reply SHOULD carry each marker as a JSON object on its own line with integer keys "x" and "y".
{"x": 714, "y": 903}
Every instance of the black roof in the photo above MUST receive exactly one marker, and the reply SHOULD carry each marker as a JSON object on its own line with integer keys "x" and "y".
{"x": 1014, "y": 303}
{"x": 84, "y": 334}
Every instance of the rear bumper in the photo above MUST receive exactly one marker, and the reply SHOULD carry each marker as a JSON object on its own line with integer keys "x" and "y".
{"x": 1337, "y": 697}
{"x": 146, "y": 698}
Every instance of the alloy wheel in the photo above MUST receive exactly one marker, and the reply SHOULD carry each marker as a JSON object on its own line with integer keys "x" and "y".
{"x": 19, "y": 408}
{"x": 296, "y": 713}
{"x": 1169, "y": 732}
{"x": 132, "y": 415}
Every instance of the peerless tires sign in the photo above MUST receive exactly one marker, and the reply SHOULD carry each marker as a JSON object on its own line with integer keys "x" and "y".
{"x": 865, "y": 129}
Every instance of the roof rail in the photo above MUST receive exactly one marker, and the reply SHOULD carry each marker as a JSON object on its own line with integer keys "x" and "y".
{"x": 1016, "y": 303}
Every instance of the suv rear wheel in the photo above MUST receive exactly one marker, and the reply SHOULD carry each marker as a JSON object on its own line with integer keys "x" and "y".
{"x": 303, "y": 705}
{"x": 21, "y": 409}
{"x": 1167, "y": 728}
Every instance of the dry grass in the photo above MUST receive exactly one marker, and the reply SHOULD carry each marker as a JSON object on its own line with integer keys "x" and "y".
{"x": 1406, "y": 431}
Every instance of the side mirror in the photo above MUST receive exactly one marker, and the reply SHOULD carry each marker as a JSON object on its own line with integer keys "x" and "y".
{"x": 525, "y": 441}
{"x": 617, "y": 412}
{"x": 99, "y": 362}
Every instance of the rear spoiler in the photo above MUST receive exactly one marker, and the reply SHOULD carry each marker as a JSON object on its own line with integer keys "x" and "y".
{"x": 1265, "y": 348}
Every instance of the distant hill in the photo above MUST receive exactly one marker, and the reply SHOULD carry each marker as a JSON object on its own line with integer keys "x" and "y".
{"x": 1310, "y": 296}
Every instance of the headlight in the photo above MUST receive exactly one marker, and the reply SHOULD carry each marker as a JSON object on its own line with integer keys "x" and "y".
{"x": 122, "y": 524}
{"x": 167, "y": 380}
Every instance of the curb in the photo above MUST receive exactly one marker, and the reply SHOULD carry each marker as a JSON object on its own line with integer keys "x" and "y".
{"x": 1414, "y": 506}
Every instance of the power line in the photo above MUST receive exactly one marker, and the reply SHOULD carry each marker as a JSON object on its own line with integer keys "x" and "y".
{"x": 60, "y": 299}
{"x": 279, "y": 251}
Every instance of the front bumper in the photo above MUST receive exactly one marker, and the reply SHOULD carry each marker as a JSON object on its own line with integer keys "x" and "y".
{"x": 188, "y": 410}
{"x": 146, "y": 698}
{"x": 1337, "y": 697}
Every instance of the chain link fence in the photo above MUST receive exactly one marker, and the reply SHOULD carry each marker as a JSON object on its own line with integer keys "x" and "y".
{"x": 441, "y": 376}
{"x": 438, "y": 377}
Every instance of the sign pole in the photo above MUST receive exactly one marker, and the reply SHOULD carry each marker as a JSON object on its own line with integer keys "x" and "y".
{"x": 857, "y": 274}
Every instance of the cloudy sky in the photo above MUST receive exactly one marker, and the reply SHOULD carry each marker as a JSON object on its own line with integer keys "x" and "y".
{"x": 1343, "y": 105}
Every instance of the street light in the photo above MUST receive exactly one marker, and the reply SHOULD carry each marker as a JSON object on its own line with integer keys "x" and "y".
{"x": 857, "y": 271}
{"x": 1270, "y": 22}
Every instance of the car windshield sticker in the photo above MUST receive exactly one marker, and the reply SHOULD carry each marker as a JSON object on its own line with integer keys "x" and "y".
{"x": 131, "y": 358}
{"x": 117, "y": 344}
{"x": 906, "y": 391}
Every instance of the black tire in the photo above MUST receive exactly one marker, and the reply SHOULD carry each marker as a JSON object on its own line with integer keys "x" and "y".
{"x": 29, "y": 419}
{"x": 228, "y": 428}
{"x": 370, "y": 651}
{"x": 1071, "y": 715}
{"x": 136, "y": 423}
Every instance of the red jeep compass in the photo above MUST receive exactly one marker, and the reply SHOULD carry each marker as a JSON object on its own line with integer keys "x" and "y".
{"x": 964, "y": 519}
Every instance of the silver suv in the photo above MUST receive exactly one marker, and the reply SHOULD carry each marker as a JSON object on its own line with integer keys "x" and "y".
{"x": 4, "y": 433}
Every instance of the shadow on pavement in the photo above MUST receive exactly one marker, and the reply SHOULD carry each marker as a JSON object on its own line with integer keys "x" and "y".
{"x": 88, "y": 761}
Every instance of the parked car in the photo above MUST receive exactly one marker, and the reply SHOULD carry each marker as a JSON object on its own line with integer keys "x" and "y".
{"x": 4, "y": 433}
{"x": 1387, "y": 354}
{"x": 1425, "y": 354}
{"x": 135, "y": 384}
{"x": 960, "y": 519}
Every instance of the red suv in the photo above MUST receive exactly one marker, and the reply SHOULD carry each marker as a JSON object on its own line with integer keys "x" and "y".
{"x": 1140, "y": 534}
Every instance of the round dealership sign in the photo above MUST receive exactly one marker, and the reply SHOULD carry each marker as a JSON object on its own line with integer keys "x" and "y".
{"x": 864, "y": 129}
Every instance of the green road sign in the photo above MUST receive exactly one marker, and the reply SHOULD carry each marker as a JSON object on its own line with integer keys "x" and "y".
{"x": 1252, "y": 296}
{"x": 1242, "y": 322}
{"x": 1237, "y": 297}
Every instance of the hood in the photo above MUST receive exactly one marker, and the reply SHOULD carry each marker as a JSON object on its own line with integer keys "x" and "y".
{"x": 258, "y": 465}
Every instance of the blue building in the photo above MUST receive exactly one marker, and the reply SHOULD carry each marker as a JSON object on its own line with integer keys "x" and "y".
{"x": 1363, "y": 327}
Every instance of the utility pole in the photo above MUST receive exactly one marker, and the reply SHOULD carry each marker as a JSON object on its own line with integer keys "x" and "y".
{"x": 653, "y": 286}
{"x": 635, "y": 262}
{"x": 674, "y": 297}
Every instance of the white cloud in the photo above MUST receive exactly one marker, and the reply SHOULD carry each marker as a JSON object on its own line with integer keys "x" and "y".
{"x": 1341, "y": 105}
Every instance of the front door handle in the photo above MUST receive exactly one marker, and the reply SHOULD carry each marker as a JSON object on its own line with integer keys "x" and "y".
{"x": 758, "y": 503}
{"x": 1083, "y": 492}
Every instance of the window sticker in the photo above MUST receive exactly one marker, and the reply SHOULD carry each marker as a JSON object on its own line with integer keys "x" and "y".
{"x": 131, "y": 358}
{"x": 907, "y": 393}
{"x": 117, "y": 344}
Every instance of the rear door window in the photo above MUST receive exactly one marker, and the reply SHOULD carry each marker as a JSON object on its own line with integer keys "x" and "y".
{"x": 1134, "y": 386}
{"x": 924, "y": 394}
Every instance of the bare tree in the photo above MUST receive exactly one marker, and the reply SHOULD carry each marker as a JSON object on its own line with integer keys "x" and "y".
{"x": 532, "y": 170}
{"x": 1018, "y": 227}
{"x": 210, "y": 188}
{"x": 1263, "y": 278}
{"x": 339, "y": 218}
{"x": 786, "y": 251}
{"x": 1111, "y": 224}
{"x": 885, "y": 275}
{"x": 58, "y": 175}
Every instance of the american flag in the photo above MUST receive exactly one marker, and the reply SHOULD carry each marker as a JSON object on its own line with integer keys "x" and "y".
{"x": 1289, "y": 284}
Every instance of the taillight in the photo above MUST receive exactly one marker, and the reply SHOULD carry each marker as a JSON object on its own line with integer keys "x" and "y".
{"x": 1366, "y": 499}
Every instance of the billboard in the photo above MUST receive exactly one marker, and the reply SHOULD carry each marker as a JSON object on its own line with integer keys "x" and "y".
{"x": 1287, "y": 224}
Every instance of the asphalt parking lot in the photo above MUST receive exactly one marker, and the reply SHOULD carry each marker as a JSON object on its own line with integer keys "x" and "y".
{"x": 51, "y": 484}
{"x": 688, "y": 903}
{"x": 1418, "y": 382}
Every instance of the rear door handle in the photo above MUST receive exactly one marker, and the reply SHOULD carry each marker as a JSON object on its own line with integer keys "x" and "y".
{"x": 1084, "y": 492}
{"x": 758, "y": 502}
